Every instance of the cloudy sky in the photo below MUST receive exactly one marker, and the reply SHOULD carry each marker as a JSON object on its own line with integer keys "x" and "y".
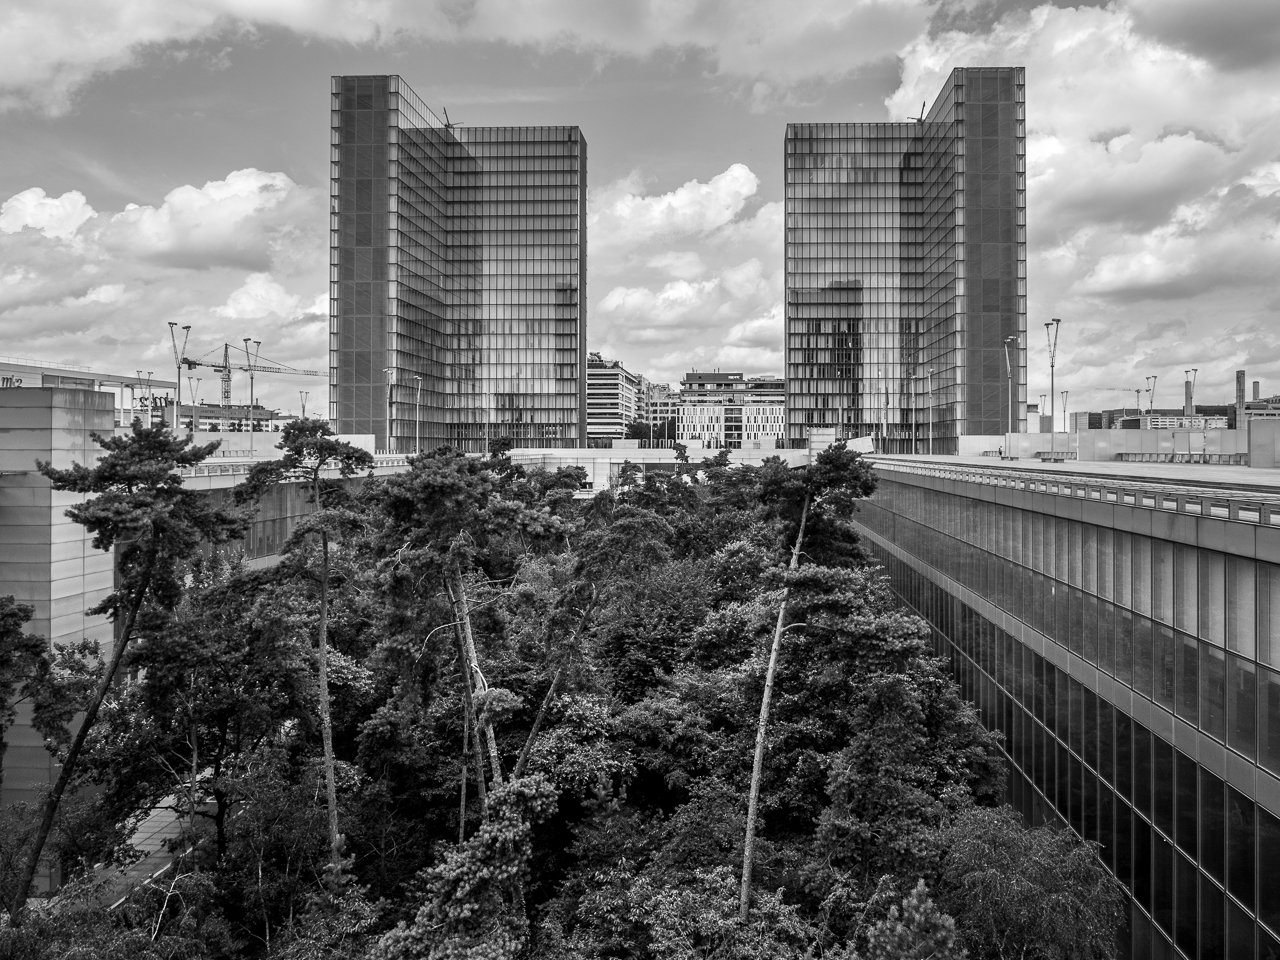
{"x": 167, "y": 160}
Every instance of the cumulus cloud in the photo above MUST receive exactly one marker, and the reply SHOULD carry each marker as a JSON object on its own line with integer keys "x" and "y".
{"x": 58, "y": 218}
{"x": 704, "y": 299}
{"x": 235, "y": 257}
{"x": 1151, "y": 175}
{"x": 47, "y": 49}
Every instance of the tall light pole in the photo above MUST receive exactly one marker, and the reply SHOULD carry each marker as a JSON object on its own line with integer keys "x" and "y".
{"x": 930, "y": 376}
{"x": 390, "y": 372}
{"x": 1009, "y": 369}
{"x": 1053, "y": 358}
{"x": 251, "y": 360}
{"x": 177, "y": 362}
{"x": 417, "y": 418}
{"x": 1151, "y": 394}
{"x": 304, "y": 394}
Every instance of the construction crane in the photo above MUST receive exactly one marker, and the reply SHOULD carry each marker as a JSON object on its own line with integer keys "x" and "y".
{"x": 251, "y": 365}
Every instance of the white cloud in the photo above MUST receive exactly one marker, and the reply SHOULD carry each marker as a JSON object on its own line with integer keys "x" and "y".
{"x": 683, "y": 265}
{"x": 259, "y": 296}
{"x": 56, "y": 217}
{"x": 230, "y": 222}
{"x": 1151, "y": 186}
{"x": 621, "y": 215}
{"x": 47, "y": 50}
{"x": 241, "y": 256}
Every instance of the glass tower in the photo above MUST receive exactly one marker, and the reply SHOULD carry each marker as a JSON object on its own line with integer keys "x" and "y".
{"x": 906, "y": 270}
{"x": 457, "y": 276}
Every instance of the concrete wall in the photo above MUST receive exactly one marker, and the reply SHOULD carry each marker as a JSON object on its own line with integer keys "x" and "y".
{"x": 1109, "y": 444}
{"x": 46, "y": 560}
{"x": 1264, "y": 443}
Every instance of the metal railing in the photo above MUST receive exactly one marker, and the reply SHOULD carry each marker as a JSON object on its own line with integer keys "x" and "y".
{"x": 1199, "y": 501}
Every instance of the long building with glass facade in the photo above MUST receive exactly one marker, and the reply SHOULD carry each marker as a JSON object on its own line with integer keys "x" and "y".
{"x": 458, "y": 260}
{"x": 906, "y": 270}
{"x": 1122, "y": 631}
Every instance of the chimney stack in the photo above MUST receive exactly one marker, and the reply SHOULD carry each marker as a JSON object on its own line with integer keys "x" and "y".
{"x": 1240, "y": 399}
{"x": 1187, "y": 409}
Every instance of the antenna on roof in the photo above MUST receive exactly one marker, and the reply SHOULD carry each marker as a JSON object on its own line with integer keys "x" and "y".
{"x": 450, "y": 124}
{"x": 919, "y": 119}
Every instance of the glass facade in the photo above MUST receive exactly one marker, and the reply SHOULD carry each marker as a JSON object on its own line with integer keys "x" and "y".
{"x": 906, "y": 270}
{"x": 457, "y": 276}
{"x": 1130, "y": 667}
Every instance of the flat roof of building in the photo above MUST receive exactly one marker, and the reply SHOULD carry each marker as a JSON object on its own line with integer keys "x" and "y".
{"x": 1229, "y": 480}
{"x": 12, "y": 365}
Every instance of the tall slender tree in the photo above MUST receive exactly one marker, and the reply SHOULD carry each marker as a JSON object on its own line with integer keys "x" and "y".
{"x": 312, "y": 454}
{"x": 137, "y": 505}
{"x": 823, "y": 491}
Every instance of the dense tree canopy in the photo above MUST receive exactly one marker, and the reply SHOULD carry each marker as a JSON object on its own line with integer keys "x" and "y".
{"x": 544, "y": 711}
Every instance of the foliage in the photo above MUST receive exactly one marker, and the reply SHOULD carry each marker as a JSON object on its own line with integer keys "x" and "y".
{"x": 541, "y": 731}
{"x": 1040, "y": 894}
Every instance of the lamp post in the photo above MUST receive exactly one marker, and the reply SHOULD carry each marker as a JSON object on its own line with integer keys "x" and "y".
{"x": 251, "y": 359}
{"x": 390, "y": 372}
{"x": 1053, "y": 357}
{"x": 1009, "y": 370}
{"x": 303, "y": 394}
{"x": 177, "y": 362}
{"x": 1064, "y": 416}
{"x": 417, "y": 418}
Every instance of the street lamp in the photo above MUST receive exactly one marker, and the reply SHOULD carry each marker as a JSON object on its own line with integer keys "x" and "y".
{"x": 1064, "y": 417}
{"x": 251, "y": 359}
{"x": 1053, "y": 357}
{"x": 303, "y": 394}
{"x": 177, "y": 362}
{"x": 390, "y": 372}
{"x": 1009, "y": 368}
{"x": 417, "y": 418}
{"x": 930, "y": 376}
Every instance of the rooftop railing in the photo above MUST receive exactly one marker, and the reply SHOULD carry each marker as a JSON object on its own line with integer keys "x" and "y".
{"x": 1199, "y": 501}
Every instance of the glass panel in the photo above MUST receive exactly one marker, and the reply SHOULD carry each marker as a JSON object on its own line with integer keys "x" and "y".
{"x": 1213, "y": 597}
{"x": 1162, "y": 574}
{"x": 1212, "y": 921}
{"x": 1165, "y": 661}
{"x": 1269, "y": 719}
{"x": 1163, "y": 787}
{"x": 1124, "y": 755}
{"x": 1089, "y": 558}
{"x": 1124, "y": 842}
{"x": 1077, "y": 716}
{"x": 1186, "y": 807}
{"x": 1240, "y": 840}
{"x": 1186, "y": 591}
{"x": 1268, "y": 870}
{"x": 1239, "y": 934}
{"x": 1212, "y": 826}
{"x": 1162, "y": 882}
{"x": 1143, "y": 663}
{"x": 1142, "y": 862}
{"x": 1213, "y": 692}
{"x": 1106, "y": 741}
{"x": 1269, "y": 614}
{"x": 1123, "y": 568}
{"x": 1142, "y": 575}
{"x": 1241, "y": 606}
{"x": 1124, "y": 645}
{"x": 1187, "y": 881}
{"x": 1074, "y": 553}
{"x": 1143, "y": 769}
{"x": 1106, "y": 828}
{"x": 1188, "y": 680}
{"x": 1242, "y": 705}
{"x": 1090, "y": 728}
{"x": 1106, "y": 563}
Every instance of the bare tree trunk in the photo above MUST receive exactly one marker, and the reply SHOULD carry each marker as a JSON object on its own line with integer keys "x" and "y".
{"x": 462, "y": 614}
{"x": 326, "y": 718}
{"x": 537, "y": 724}
{"x": 762, "y": 726}
{"x": 54, "y": 798}
{"x": 469, "y": 720}
{"x": 462, "y": 790}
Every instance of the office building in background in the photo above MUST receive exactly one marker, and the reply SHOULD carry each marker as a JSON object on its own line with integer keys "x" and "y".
{"x": 457, "y": 276}
{"x": 616, "y": 398}
{"x": 906, "y": 270}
